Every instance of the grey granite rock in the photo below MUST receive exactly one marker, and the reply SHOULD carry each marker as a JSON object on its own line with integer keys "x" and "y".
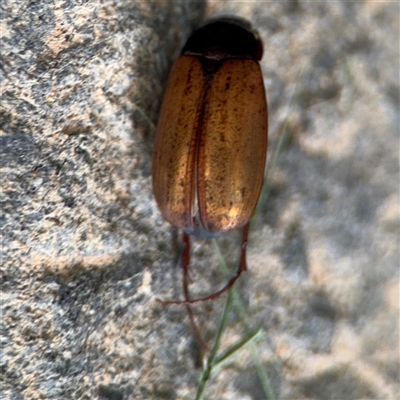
{"x": 85, "y": 252}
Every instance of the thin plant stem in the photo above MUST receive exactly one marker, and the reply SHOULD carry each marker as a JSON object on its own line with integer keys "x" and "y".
{"x": 262, "y": 375}
{"x": 144, "y": 115}
{"x": 218, "y": 360}
{"x": 209, "y": 362}
{"x": 214, "y": 360}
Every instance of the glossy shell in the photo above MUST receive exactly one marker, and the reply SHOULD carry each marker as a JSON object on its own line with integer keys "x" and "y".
{"x": 211, "y": 139}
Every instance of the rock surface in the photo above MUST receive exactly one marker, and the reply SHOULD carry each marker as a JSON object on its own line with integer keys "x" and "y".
{"x": 85, "y": 252}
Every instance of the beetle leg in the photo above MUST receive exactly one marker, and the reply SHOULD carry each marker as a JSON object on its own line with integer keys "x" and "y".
{"x": 231, "y": 282}
{"x": 185, "y": 271}
{"x": 243, "y": 254}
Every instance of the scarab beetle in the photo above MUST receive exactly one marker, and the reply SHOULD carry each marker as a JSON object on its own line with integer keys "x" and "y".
{"x": 211, "y": 139}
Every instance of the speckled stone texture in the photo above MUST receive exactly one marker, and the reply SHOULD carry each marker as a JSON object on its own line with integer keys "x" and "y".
{"x": 85, "y": 252}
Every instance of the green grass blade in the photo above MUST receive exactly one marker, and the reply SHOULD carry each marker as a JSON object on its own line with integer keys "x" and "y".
{"x": 237, "y": 303}
{"x": 208, "y": 367}
{"x": 144, "y": 115}
{"x": 237, "y": 346}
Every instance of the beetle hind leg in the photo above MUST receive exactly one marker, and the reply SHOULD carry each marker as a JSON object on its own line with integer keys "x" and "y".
{"x": 231, "y": 282}
{"x": 185, "y": 271}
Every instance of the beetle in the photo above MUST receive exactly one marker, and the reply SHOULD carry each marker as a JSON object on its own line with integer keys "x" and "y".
{"x": 211, "y": 138}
